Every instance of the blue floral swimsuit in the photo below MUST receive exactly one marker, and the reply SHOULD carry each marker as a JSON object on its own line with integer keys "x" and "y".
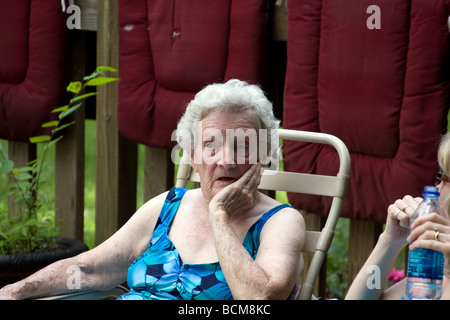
{"x": 160, "y": 274}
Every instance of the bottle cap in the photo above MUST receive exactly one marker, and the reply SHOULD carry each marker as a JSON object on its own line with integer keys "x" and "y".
{"x": 431, "y": 191}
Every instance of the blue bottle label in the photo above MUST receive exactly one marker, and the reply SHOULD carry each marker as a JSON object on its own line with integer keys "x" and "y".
{"x": 426, "y": 264}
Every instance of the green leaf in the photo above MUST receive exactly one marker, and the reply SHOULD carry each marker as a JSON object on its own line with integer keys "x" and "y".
{"x": 92, "y": 76}
{"x": 69, "y": 110}
{"x": 17, "y": 228}
{"x": 31, "y": 222}
{"x": 100, "y": 81}
{"x": 23, "y": 176}
{"x": 52, "y": 143}
{"x": 63, "y": 108}
{"x": 63, "y": 127}
{"x": 83, "y": 96}
{"x": 50, "y": 124}
{"x": 6, "y": 165}
{"x": 34, "y": 161}
{"x": 25, "y": 169}
{"x": 38, "y": 139}
{"x": 106, "y": 68}
{"x": 74, "y": 87}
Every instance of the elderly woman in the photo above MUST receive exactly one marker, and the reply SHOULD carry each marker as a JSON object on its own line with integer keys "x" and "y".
{"x": 397, "y": 235}
{"x": 225, "y": 240}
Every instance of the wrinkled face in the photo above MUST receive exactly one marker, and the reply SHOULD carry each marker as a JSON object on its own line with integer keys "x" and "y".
{"x": 225, "y": 148}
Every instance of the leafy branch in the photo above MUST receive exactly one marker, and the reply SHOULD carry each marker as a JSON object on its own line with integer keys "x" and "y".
{"x": 27, "y": 180}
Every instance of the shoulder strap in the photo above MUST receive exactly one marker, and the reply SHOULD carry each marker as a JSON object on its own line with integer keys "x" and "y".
{"x": 251, "y": 241}
{"x": 171, "y": 204}
{"x": 168, "y": 211}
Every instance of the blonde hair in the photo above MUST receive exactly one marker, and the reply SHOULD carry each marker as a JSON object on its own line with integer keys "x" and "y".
{"x": 444, "y": 154}
{"x": 444, "y": 160}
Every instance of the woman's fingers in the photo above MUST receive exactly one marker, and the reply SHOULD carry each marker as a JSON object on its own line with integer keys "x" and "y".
{"x": 241, "y": 193}
{"x": 429, "y": 227}
{"x": 403, "y": 209}
{"x": 432, "y": 239}
{"x": 253, "y": 183}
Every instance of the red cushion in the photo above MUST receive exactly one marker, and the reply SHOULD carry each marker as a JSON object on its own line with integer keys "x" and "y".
{"x": 384, "y": 92}
{"x": 32, "y": 65}
{"x": 169, "y": 50}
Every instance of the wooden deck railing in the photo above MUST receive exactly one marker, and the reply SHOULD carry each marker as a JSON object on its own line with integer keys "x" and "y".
{"x": 116, "y": 168}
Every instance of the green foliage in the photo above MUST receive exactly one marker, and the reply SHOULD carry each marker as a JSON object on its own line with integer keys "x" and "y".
{"x": 29, "y": 235}
{"x": 29, "y": 226}
{"x": 337, "y": 261}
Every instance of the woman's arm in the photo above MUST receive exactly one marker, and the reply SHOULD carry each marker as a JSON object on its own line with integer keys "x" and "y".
{"x": 103, "y": 267}
{"x": 272, "y": 275}
{"x": 370, "y": 282}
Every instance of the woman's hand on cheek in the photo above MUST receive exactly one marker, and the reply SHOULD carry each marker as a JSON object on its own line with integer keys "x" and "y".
{"x": 239, "y": 195}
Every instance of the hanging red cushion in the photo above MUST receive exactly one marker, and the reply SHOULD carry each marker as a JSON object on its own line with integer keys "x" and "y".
{"x": 169, "y": 50}
{"x": 32, "y": 65}
{"x": 384, "y": 92}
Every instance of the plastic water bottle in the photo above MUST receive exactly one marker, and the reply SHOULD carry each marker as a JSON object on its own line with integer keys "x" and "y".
{"x": 425, "y": 266}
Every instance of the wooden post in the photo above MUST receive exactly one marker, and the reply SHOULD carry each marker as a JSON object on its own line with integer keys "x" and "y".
{"x": 116, "y": 179}
{"x": 88, "y": 10}
{"x": 69, "y": 180}
{"x": 362, "y": 240}
{"x": 69, "y": 154}
{"x": 159, "y": 172}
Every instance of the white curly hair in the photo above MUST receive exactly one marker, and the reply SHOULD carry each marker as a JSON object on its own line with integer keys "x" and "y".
{"x": 235, "y": 96}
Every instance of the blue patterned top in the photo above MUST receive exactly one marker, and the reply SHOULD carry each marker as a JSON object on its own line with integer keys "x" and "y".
{"x": 160, "y": 274}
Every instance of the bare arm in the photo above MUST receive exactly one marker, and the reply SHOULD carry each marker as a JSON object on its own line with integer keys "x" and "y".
{"x": 370, "y": 282}
{"x": 103, "y": 267}
{"x": 272, "y": 275}
{"x": 397, "y": 235}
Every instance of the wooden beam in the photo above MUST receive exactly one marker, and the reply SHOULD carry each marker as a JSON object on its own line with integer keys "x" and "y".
{"x": 69, "y": 154}
{"x": 159, "y": 172}
{"x": 280, "y": 20}
{"x": 362, "y": 240}
{"x": 116, "y": 185}
{"x": 88, "y": 9}
{"x": 69, "y": 180}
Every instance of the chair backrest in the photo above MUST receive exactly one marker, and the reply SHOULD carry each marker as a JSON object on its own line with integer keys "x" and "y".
{"x": 317, "y": 242}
